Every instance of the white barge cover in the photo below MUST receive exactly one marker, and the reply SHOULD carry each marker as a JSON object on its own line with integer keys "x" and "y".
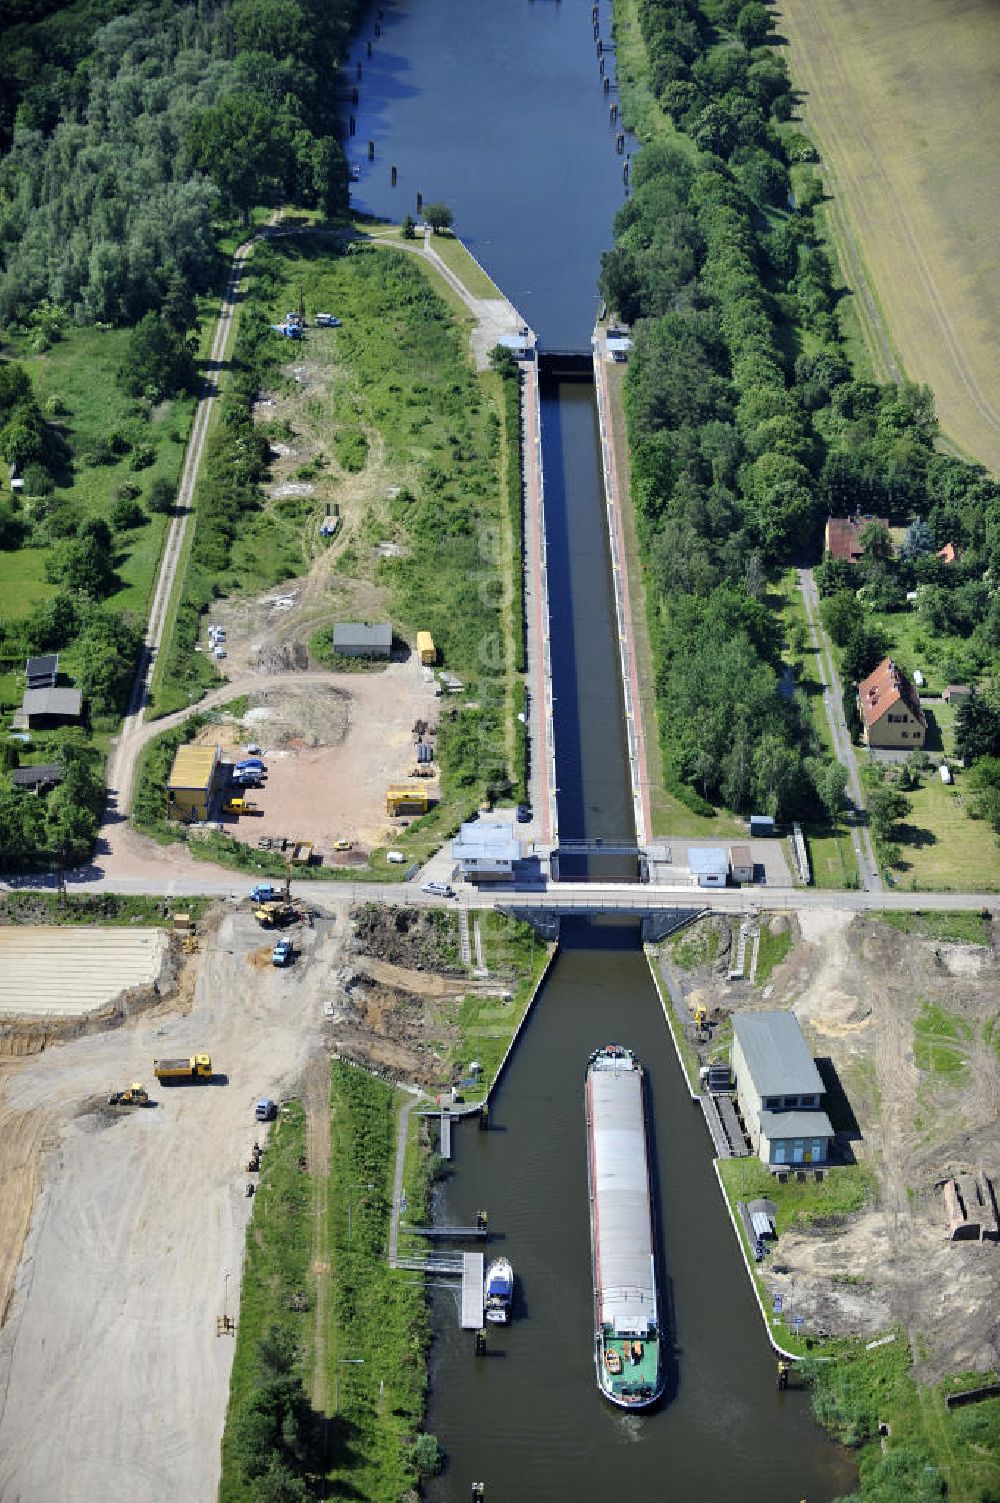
{"x": 624, "y": 1275}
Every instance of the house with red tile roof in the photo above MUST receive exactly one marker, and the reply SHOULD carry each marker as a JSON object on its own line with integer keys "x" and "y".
{"x": 841, "y": 535}
{"x": 890, "y": 709}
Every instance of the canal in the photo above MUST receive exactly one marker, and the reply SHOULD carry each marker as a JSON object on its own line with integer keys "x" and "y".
{"x": 496, "y": 108}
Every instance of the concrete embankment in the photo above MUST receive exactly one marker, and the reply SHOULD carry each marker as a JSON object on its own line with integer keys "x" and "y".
{"x": 638, "y": 772}
{"x": 536, "y": 613}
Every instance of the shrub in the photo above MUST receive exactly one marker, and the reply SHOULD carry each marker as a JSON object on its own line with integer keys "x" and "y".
{"x": 161, "y": 497}
{"x": 127, "y": 513}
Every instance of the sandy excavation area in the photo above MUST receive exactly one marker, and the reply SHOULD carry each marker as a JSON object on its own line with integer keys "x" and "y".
{"x": 67, "y": 972}
{"x": 858, "y": 987}
{"x": 110, "y": 1341}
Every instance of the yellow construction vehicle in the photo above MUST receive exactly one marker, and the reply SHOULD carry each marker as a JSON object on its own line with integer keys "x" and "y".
{"x": 239, "y": 806}
{"x": 700, "y": 1016}
{"x": 273, "y": 915}
{"x": 133, "y": 1095}
{"x": 194, "y": 1067}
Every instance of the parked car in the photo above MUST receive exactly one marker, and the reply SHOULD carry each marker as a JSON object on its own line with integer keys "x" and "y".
{"x": 524, "y": 814}
{"x": 438, "y": 889}
{"x": 266, "y": 1109}
{"x": 264, "y": 892}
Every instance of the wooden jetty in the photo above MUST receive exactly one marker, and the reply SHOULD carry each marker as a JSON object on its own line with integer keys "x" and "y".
{"x": 472, "y": 1291}
{"x": 446, "y": 1231}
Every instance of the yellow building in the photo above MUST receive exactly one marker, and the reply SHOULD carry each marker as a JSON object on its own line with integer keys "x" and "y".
{"x": 890, "y": 709}
{"x": 407, "y": 801}
{"x": 192, "y": 782}
{"x": 426, "y": 649}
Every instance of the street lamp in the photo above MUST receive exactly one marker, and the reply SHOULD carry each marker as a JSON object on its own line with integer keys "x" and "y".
{"x": 343, "y": 1362}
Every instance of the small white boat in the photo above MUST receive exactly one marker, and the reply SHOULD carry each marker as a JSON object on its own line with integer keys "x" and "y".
{"x": 498, "y": 1291}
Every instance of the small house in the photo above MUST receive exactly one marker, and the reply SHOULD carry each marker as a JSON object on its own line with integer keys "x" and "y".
{"x": 354, "y": 639}
{"x": 38, "y": 779}
{"x": 486, "y": 850}
{"x": 426, "y": 650}
{"x": 42, "y": 672}
{"x": 842, "y": 536}
{"x": 957, "y": 694}
{"x": 890, "y": 709}
{"x": 779, "y": 1090}
{"x": 709, "y": 865}
{"x": 761, "y": 826}
{"x": 741, "y": 863}
{"x": 193, "y": 781}
{"x": 42, "y": 709}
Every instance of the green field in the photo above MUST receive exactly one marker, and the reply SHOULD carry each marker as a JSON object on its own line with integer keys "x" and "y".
{"x": 940, "y": 1043}
{"x": 831, "y": 856}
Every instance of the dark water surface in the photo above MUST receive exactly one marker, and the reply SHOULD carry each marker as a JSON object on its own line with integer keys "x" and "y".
{"x": 528, "y": 1419}
{"x": 495, "y": 107}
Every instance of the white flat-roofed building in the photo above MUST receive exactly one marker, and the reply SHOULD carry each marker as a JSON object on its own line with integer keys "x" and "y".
{"x": 709, "y": 865}
{"x": 487, "y": 850}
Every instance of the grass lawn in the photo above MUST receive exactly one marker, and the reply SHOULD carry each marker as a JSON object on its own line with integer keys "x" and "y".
{"x": 940, "y": 1043}
{"x": 513, "y": 951}
{"x": 915, "y": 647}
{"x": 919, "y": 176}
{"x": 640, "y": 110}
{"x": 956, "y": 928}
{"x": 773, "y": 950}
{"x": 22, "y": 580}
{"x": 786, "y": 598}
{"x": 941, "y": 847}
{"x": 831, "y": 856}
{"x": 455, "y": 256}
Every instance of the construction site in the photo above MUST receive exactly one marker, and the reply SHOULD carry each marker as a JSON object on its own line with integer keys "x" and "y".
{"x": 903, "y": 1027}
{"x": 127, "y": 1162}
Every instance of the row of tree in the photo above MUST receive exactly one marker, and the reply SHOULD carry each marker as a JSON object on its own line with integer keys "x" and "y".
{"x": 740, "y": 447}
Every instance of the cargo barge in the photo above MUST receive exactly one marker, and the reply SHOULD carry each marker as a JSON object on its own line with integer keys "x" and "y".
{"x": 627, "y": 1338}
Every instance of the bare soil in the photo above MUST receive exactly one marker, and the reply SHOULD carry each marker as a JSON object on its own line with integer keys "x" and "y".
{"x": 858, "y": 986}
{"x": 332, "y": 748}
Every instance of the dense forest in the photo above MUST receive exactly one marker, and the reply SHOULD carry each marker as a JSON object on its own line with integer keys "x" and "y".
{"x": 125, "y": 127}
{"x": 748, "y": 425}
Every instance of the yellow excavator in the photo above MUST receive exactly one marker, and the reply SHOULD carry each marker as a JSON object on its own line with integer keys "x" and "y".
{"x": 133, "y": 1095}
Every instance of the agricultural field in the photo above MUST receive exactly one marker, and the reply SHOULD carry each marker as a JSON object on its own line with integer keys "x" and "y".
{"x": 903, "y": 102}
